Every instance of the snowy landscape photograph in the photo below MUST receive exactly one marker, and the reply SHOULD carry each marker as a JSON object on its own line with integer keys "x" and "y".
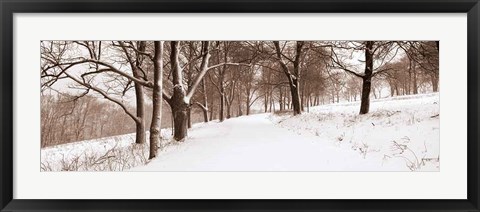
{"x": 309, "y": 106}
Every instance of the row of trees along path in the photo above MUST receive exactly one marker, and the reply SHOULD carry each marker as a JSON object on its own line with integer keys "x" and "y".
{"x": 188, "y": 73}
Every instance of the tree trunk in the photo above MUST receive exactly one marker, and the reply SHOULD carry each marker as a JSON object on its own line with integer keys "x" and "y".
{"x": 365, "y": 99}
{"x": 434, "y": 80}
{"x": 222, "y": 106}
{"x": 140, "y": 125}
{"x": 229, "y": 100}
{"x": 415, "y": 85}
{"x": 189, "y": 117}
{"x": 308, "y": 104}
{"x": 280, "y": 99}
{"x": 367, "y": 78}
{"x": 204, "y": 111}
{"x": 155, "y": 127}
{"x": 239, "y": 99}
{"x": 177, "y": 102}
{"x": 212, "y": 109}
{"x": 140, "y": 102}
{"x": 229, "y": 110}
{"x": 270, "y": 102}
{"x": 273, "y": 106}
{"x": 265, "y": 102}
{"x": 180, "y": 114}
{"x": 205, "y": 116}
{"x": 180, "y": 119}
{"x": 302, "y": 98}
{"x": 392, "y": 89}
{"x": 205, "y": 101}
{"x": 295, "y": 97}
{"x": 221, "y": 79}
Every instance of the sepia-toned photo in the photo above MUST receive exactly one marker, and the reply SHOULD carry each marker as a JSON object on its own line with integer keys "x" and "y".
{"x": 110, "y": 105}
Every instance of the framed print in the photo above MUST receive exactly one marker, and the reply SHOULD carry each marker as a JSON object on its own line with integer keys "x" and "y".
{"x": 266, "y": 105}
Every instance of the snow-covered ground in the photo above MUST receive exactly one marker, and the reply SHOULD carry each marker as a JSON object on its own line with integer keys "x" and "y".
{"x": 116, "y": 153}
{"x": 399, "y": 134}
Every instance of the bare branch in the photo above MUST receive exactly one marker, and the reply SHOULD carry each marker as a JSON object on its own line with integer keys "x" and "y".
{"x": 105, "y": 95}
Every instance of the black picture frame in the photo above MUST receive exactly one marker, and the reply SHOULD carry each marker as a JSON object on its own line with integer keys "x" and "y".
{"x": 9, "y": 7}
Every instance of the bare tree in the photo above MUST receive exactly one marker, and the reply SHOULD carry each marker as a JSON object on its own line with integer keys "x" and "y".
{"x": 136, "y": 67}
{"x": 292, "y": 74}
{"x": 57, "y": 67}
{"x": 155, "y": 127}
{"x": 204, "y": 106}
{"x": 375, "y": 52}
{"x": 425, "y": 55}
{"x": 180, "y": 99}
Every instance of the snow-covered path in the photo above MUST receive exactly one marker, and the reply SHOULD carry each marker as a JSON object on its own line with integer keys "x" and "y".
{"x": 255, "y": 143}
